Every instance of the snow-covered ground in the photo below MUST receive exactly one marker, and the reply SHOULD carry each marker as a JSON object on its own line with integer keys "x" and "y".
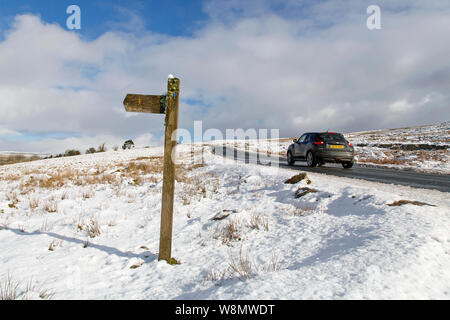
{"x": 423, "y": 148}
{"x": 87, "y": 227}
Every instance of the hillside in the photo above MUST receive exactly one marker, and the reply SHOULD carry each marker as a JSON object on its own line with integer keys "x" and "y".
{"x": 87, "y": 227}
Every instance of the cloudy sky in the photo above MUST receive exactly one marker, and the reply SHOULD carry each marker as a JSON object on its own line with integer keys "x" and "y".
{"x": 295, "y": 66}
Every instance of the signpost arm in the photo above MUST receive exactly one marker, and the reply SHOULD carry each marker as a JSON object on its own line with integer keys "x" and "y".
{"x": 172, "y": 101}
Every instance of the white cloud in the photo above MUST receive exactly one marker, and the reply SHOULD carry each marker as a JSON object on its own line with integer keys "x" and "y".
{"x": 400, "y": 106}
{"x": 250, "y": 69}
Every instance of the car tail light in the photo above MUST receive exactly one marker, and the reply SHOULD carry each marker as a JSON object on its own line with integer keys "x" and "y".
{"x": 350, "y": 144}
{"x": 318, "y": 142}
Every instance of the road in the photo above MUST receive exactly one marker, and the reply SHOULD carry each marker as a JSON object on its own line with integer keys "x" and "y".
{"x": 410, "y": 178}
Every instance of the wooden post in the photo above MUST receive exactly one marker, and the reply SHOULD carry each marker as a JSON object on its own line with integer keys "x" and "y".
{"x": 172, "y": 101}
{"x": 161, "y": 104}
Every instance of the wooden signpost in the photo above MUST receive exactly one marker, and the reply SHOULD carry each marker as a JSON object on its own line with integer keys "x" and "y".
{"x": 161, "y": 104}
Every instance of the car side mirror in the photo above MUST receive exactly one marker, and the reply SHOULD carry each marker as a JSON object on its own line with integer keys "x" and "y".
{"x": 295, "y": 141}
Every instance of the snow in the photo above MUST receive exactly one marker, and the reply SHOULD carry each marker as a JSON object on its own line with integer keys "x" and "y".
{"x": 422, "y": 148}
{"x": 342, "y": 242}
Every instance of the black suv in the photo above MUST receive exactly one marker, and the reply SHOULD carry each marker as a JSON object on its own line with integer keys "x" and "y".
{"x": 317, "y": 148}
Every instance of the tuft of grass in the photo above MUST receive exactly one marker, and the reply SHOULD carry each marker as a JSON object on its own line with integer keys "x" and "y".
{"x": 54, "y": 244}
{"x": 51, "y": 206}
{"x": 8, "y": 290}
{"x": 87, "y": 194}
{"x": 242, "y": 267}
{"x": 216, "y": 275}
{"x": 259, "y": 223}
{"x": 229, "y": 233}
{"x": 303, "y": 210}
{"x": 14, "y": 200}
{"x": 93, "y": 228}
{"x": 273, "y": 265}
{"x": 45, "y": 294}
{"x": 34, "y": 203}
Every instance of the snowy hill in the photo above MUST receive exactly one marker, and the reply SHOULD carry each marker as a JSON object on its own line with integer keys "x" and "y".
{"x": 87, "y": 227}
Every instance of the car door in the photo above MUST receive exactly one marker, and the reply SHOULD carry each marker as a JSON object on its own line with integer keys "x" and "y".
{"x": 299, "y": 146}
{"x": 303, "y": 148}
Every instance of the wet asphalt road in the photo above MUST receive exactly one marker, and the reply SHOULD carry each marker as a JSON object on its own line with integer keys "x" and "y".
{"x": 410, "y": 178}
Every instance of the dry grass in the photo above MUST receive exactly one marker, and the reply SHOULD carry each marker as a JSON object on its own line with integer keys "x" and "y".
{"x": 44, "y": 227}
{"x": 229, "y": 233}
{"x": 92, "y": 228}
{"x": 13, "y": 199}
{"x": 45, "y": 294}
{"x": 51, "y": 205}
{"x": 8, "y": 290}
{"x": 59, "y": 179}
{"x": 34, "y": 203}
{"x": 404, "y": 157}
{"x": 54, "y": 244}
{"x": 142, "y": 169}
{"x": 403, "y": 202}
{"x": 258, "y": 222}
{"x": 195, "y": 187}
{"x": 87, "y": 194}
{"x": 300, "y": 210}
{"x": 243, "y": 268}
{"x": 17, "y": 158}
{"x": 240, "y": 266}
{"x": 216, "y": 275}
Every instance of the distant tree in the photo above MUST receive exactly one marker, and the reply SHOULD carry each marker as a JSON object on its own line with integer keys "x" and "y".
{"x": 101, "y": 148}
{"x": 91, "y": 150}
{"x": 70, "y": 153}
{"x": 128, "y": 144}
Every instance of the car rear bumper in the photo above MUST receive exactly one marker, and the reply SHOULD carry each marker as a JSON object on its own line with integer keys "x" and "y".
{"x": 335, "y": 156}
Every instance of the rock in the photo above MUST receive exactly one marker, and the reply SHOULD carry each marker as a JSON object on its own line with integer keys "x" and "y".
{"x": 297, "y": 178}
{"x": 304, "y": 191}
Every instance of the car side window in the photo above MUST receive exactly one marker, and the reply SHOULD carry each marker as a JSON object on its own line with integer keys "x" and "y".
{"x": 302, "y": 138}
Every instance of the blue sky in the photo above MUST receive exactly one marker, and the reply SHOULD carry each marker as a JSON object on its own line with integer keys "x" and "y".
{"x": 178, "y": 18}
{"x": 292, "y": 65}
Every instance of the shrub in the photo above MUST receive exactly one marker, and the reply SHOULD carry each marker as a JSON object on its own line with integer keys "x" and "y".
{"x": 101, "y": 148}
{"x": 128, "y": 144}
{"x": 91, "y": 150}
{"x": 70, "y": 153}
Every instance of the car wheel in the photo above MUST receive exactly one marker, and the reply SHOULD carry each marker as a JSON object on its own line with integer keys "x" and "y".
{"x": 310, "y": 159}
{"x": 290, "y": 158}
{"x": 347, "y": 165}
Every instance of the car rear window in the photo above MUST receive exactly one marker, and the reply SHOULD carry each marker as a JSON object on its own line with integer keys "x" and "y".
{"x": 332, "y": 137}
